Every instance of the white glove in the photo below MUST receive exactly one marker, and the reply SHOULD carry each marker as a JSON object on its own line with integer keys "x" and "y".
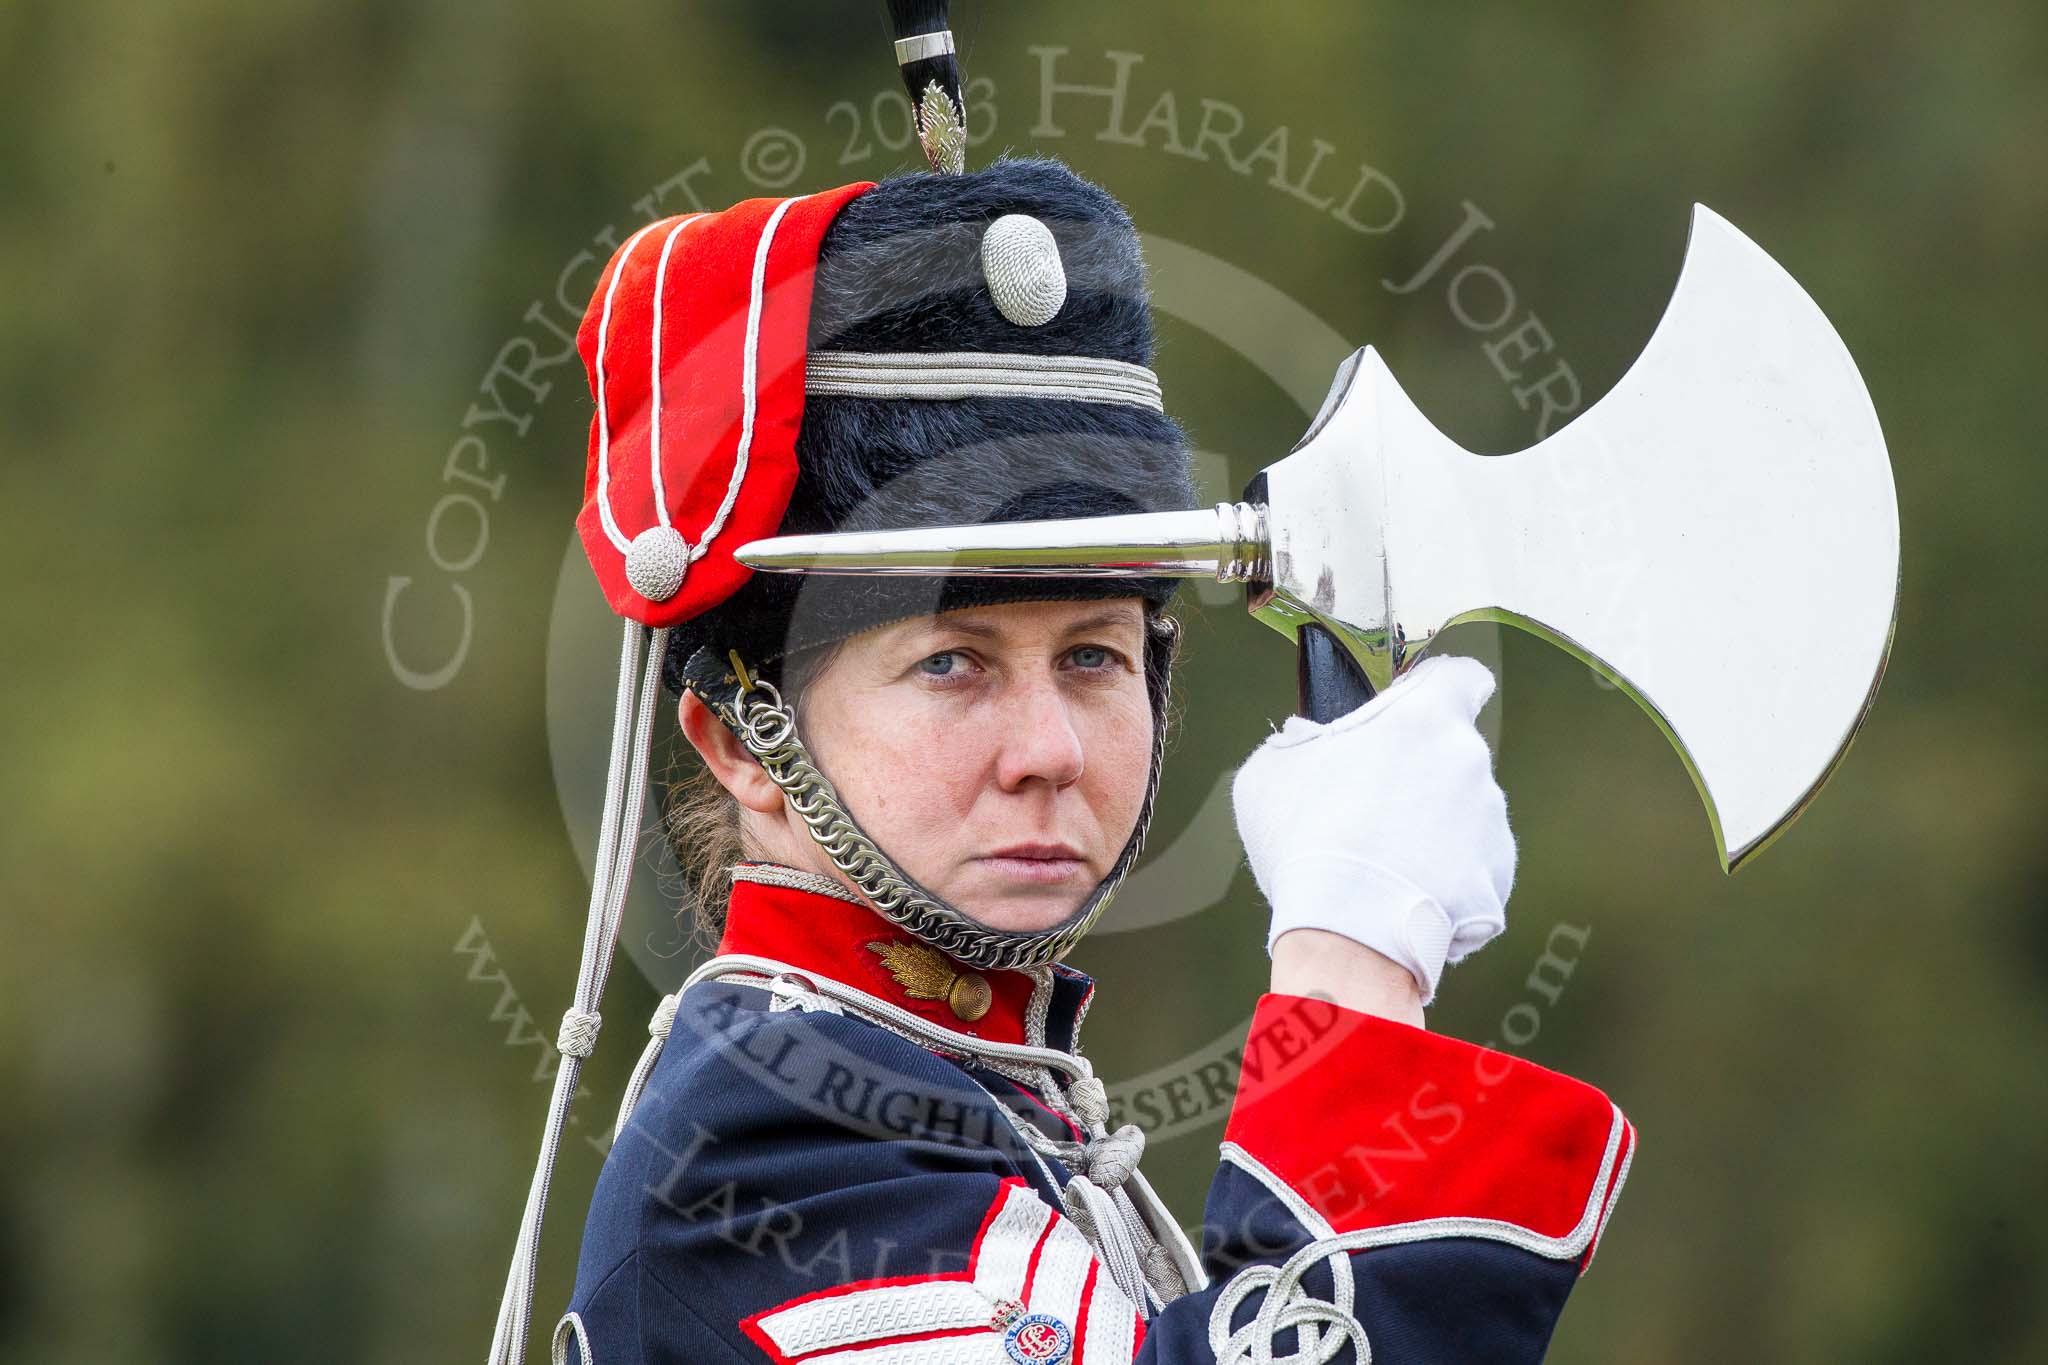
{"x": 1385, "y": 825}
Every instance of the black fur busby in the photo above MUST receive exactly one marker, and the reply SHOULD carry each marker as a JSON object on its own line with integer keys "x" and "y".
{"x": 900, "y": 271}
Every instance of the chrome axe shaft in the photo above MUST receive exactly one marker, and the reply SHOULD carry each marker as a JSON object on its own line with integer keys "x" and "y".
{"x": 1227, "y": 542}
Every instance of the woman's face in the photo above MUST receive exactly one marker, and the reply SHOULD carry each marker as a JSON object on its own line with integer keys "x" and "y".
{"x": 999, "y": 754}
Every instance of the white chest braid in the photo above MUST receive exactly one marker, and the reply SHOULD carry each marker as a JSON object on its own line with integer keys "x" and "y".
{"x": 1106, "y": 1198}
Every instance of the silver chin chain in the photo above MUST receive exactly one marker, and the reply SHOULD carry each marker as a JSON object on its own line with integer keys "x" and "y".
{"x": 766, "y": 725}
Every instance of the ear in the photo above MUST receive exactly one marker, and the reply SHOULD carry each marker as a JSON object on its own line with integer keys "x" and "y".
{"x": 728, "y": 759}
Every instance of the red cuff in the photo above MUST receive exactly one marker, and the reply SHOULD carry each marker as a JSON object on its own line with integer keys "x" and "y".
{"x": 1377, "y": 1125}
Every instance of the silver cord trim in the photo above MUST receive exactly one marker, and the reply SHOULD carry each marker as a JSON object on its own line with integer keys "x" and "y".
{"x": 1146, "y": 1264}
{"x": 877, "y": 1010}
{"x": 941, "y": 375}
{"x": 793, "y": 879}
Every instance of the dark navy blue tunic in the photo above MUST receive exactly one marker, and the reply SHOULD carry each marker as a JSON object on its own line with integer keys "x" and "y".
{"x": 812, "y": 1188}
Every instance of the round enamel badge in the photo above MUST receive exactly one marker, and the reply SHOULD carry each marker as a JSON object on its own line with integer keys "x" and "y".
{"x": 1038, "y": 1339}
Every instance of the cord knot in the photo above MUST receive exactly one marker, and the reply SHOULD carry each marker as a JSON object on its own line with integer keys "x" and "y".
{"x": 664, "y": 1017}
{"x": 1111, "y": 1159}
{"x": 1091, "y": 1103}
{"x": 578, "y": 1037}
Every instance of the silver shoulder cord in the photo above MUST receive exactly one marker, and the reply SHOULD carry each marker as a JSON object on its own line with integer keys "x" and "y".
{"x": 1107, "y": 1198}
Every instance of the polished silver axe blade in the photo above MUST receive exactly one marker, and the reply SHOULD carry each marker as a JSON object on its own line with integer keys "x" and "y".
{"x": 1718, "y": 535}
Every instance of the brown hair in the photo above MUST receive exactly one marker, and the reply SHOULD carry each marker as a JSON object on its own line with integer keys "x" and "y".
{"x": 701, "y": 819}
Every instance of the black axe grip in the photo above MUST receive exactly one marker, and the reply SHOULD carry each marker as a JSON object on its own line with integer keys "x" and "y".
{"x": 1327, "y": 679}
{"x": 1330, "y": 681}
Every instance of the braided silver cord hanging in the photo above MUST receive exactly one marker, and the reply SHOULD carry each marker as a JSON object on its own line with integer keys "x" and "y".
{"x": 1096, "y": 1202}
{"x": 1103, "y": 1169}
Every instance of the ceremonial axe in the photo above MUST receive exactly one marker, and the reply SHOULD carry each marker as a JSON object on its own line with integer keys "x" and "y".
{"x": 1719, "y": 536}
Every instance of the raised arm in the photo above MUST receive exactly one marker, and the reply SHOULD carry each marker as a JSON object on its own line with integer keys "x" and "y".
{"x": 1381, "y": 842}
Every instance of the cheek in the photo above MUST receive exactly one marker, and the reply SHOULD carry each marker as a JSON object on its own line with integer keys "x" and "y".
{"x": 928, "y": 766}
{"x": 913, "y": 768}
{"x": 906, "y": 767}
{"x": 1118, "y": 745}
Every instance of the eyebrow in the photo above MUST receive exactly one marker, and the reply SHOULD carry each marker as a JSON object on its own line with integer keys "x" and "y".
{"x": 1103, "y": 620}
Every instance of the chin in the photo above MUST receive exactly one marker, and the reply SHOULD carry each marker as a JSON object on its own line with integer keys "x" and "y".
{"x": 1015, "y": 912}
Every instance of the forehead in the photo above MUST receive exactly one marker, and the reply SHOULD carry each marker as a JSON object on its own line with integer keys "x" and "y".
{"x": 1025, "y": 620}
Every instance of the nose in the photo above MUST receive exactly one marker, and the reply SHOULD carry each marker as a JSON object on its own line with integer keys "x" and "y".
{"x": 1038, "y": 741}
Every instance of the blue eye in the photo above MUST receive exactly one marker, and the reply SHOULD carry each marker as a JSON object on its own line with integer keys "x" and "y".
{"x": 1091, "y": 656}
{"x": 938, "y": 665}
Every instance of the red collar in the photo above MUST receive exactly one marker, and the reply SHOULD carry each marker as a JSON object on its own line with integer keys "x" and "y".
{"x": 854, "y": 945}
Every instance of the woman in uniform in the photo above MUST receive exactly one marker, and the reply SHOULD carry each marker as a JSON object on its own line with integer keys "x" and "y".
{"x": 865, "y": 1132}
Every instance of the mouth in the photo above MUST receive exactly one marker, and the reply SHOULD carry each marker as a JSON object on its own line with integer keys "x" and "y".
{"x": 1037, "y": 864}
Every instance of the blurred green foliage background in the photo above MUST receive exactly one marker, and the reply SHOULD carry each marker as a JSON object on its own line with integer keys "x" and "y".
{"x": 271, "y": 913}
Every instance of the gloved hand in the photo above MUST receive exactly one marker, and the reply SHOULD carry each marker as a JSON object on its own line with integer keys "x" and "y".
{"x": 1385, "y": 825}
